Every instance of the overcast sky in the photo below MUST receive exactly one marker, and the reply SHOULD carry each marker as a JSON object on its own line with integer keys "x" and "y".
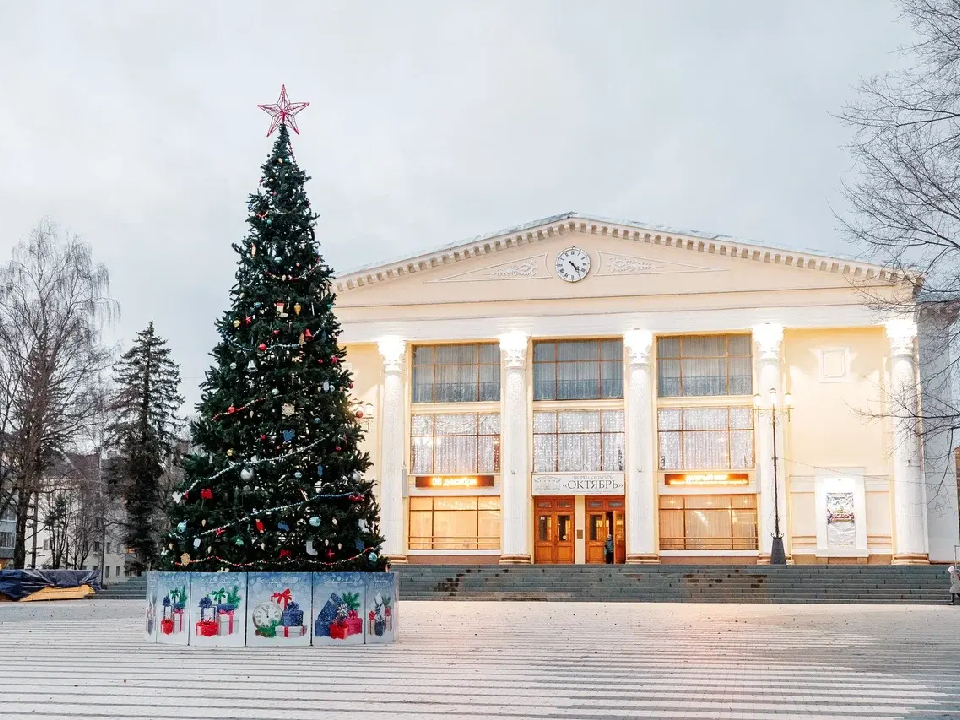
{"x": 135, "y": 125}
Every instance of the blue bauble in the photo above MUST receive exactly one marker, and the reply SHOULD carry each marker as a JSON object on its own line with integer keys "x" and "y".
{"x": 278, "y": 259}
{"x": 315, "y": 521}
{"x": 372, "y": 557}
{"x": 298, "y": 474}
{"x": 181, "y": 526}
{"x": 269, "y": 221}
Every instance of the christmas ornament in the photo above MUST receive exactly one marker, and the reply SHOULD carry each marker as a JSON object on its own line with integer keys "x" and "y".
{"x": 181, "y": 526}
{"x": 358, "y": 544}
{"x": 238, "y": 541}
{"x": 262, "y": 347}
{"x": 280, "y": 312}
{"x": 236, "y": 323}
{"x": 334, "y": 359}
{"x": 326, "y": 386}
{"x": 372, "y": 557}
{"x": 246, "y": 474}
{"x": 259, "y": 524}
{"x": 315, "y": 521}
{"x": 283, "y": 112}
{"x": 338, "y": 448}
{"x": 233, "y": 366}
{"x": 230, "y": 452}
{"x": 206, "y": 494}
{"x": 263, "y": 546}
{"x": 296, "y": 306}
{"x": 196, "y": 543}
{"x": 298, "y": 474}
{"x": 251, "y": 366}
{"x": 362, "y": 524}
{"x": 283, "y": 526}
{"x": 274, "y": 392}
{"x": 320, "y": 470}
{"x": 287, "y": 435}
{"x": 339, "y": 546}
{"x": 185, "y": 559}
{"x": 253, "y": 247}
{"x": 334, "y": 520}
{"x": 310, "y": 550}
{"x": 288, "y": 409}
{"x": 203, "y": 523}
{"x": 231, "y": 410}
{"x": 284, "y": 553}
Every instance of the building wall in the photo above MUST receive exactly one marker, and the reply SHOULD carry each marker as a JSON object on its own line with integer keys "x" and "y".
{"x": 837, "y": 429}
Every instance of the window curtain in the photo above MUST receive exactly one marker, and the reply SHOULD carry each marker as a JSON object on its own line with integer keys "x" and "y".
{"x": 705, "y": 438}
{"x": 578, "y": 441}
{"x": 456, "y": 373}
{"x": 578, "y": 370}
{"x": 452, "y": 444}
{"x": 704, "y": 365}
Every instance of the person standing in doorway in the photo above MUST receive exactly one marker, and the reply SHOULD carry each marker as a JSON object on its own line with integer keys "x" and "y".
{"x": 608, "y": 549}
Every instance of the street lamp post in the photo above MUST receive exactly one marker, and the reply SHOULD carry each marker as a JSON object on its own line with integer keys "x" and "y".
{"x": 778, "y": 555}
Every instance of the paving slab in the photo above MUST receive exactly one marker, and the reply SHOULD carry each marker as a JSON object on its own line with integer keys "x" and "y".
{"x": 473, "y": 660}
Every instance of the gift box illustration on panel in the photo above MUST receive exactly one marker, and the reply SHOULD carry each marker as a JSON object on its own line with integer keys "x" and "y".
{"x": 281, "y": 604}
{"x": 340, "y": 617}
{"x": 380, "y": 618}
{"x": 218, "y": 608}
{"x": 174, "y": 606}
{"x": 339, "y": 597}
{"x": 280, "y": 616}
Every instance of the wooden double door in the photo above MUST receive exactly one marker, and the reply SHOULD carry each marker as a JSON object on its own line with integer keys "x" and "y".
{"x": 605, "y": 518}
{"x": 555, "y": 529}
{"x": 554, "y": 519}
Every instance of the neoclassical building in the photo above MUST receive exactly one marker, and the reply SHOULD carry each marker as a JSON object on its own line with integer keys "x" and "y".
{"x": 547, "y": 392}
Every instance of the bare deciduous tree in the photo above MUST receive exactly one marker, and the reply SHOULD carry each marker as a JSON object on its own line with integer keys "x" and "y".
{"x": 53, "y": 304}
{"x": 905, "y": 201}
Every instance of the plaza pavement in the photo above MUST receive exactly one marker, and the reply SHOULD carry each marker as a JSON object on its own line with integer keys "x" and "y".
{"x": 86, "y": 659}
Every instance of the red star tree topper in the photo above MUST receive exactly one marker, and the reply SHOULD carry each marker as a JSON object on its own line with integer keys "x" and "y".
{"x": 283, "y": 112}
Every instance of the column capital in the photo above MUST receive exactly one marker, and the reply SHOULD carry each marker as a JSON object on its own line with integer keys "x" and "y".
{"x": 901, "y": 332}
{"x": 392, "y": 350}
{"x": 638, "y": 344}
{"x": 513, "y": 346}
{"x": 768, "y": 337}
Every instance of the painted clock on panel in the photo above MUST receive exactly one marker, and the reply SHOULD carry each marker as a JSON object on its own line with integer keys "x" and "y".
{"x": 573, "y": 264}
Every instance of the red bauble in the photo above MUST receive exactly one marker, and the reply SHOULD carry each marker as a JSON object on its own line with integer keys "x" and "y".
{"x": 263, "y": 437}
{"x": 231, "y": 410}
{"x": 334, "y": 359}
{"x": 206, "y": 494}
{"x": 259, "y": 525}
{"x": 284, "y": 553}
{"x": 248, "y": 320}
{"x": 351, "y": 386}
{"x": 338, "y": 448}
{"x": 262, "y": 347}
{"x": 276, "y": 332}
{"x": 306, "y": 333}
{"x": 359, "y": 413}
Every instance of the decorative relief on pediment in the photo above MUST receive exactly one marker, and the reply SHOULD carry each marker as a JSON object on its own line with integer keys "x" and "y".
{"x": 528, "y": 268}
{"x": 614, "y": 264}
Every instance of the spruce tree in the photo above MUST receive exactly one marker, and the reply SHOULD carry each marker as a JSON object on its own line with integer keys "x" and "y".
{"x": 145, "y": 405}
{"x": 278, "y": 480}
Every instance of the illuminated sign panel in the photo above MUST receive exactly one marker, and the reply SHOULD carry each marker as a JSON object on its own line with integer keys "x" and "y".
{"x": 707, "y": 479}
{"x": 451, "y": 482}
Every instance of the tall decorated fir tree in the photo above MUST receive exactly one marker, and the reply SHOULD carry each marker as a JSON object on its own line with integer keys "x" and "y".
{"x": 278, "y": 480}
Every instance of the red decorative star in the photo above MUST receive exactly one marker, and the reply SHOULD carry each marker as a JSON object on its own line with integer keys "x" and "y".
{"x": 283, "y": 112}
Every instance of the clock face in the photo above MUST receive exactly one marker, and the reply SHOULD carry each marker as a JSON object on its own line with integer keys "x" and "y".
{"x": 267, "y": 613}
{"x": 573, "y": 264}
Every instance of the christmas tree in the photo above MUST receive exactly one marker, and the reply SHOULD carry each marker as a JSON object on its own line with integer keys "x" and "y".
{"x": 278, "y": 480}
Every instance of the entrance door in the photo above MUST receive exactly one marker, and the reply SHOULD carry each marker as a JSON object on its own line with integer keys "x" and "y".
{"x": 553, "y": 522}
{"x": 605, "y": 518}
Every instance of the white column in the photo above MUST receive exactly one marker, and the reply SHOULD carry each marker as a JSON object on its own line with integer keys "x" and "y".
{"x": 768, "y": 338}
{"x": 909, "y": 493}
{"x": 393, "y": 352}
{"x": 641, "y": 493}
{"x": 514, "y": 429}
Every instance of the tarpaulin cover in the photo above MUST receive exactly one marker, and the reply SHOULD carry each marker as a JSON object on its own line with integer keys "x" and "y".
{"x": 17, "y": 584}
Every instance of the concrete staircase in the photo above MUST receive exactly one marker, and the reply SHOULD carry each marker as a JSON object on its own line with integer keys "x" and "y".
{"x": 134, "y": 588}
{"x": 678, "y": 583}
{"x": 657, "y": 583}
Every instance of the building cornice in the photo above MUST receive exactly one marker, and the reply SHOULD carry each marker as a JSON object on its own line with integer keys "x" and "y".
{"x": 569, "y": 223}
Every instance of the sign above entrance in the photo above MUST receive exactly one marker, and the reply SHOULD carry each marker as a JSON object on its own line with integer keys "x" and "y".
{"x": 454, "y": 481}
{"x": 706, "y": 479}
{"x": 578, "y": 484}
